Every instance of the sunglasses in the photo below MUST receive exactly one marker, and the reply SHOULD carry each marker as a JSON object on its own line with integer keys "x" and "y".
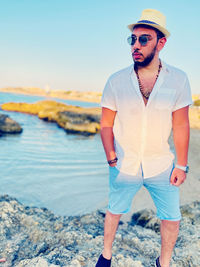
{"x": 143, "y": 39}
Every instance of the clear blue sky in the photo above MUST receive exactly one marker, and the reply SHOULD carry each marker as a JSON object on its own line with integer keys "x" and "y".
{"x": 77, "y": 44}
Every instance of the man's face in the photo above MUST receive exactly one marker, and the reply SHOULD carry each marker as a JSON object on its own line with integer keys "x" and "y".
{"x": 143, "y": 55}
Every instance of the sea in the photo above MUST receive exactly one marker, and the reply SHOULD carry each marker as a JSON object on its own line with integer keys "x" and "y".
{"x": 46, "y": 167}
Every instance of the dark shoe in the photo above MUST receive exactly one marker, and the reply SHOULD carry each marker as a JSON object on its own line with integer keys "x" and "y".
{"x": 158, "y": 262}
{"x": 102, "y": 262}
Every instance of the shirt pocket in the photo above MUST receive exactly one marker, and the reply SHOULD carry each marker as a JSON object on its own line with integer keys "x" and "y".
{"x": 165, "y": 99}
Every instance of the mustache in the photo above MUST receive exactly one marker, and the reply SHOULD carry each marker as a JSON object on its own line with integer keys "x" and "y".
{"x": 136, "y": 52}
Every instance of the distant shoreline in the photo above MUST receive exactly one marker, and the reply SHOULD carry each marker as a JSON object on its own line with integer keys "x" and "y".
{"x": 61, "y": 94}
{"x": 93, "y": 97}
{"x": 85, "y": 96}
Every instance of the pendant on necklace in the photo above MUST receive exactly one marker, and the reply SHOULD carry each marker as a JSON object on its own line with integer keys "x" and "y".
{"x": 146, "y": 95}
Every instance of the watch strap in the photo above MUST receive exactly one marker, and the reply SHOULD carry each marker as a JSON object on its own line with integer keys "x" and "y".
{"x": 183, "y": 168}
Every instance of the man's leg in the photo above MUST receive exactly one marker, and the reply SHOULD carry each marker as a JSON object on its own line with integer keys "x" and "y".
{"x": 169, "y": 233}
{"x": 110, "y": 228}
{"x": 123, "y": 188}
{"x": 166, "y": 199}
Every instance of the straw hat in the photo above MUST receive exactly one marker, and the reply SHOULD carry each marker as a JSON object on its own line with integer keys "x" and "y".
{"x": 153, "y": 18}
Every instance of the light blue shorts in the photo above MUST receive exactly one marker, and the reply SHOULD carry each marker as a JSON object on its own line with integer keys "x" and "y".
{"x": 124, "y": 187}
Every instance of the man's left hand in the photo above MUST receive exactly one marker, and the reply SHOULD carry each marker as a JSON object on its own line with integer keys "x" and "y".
{"x": 178, "y": 177}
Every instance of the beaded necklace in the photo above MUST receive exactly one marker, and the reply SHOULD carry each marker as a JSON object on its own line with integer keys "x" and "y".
{"x": 146, "y": 94}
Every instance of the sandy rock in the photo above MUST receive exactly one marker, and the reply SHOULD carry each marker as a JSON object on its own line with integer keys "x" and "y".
{"x": 82, "y": 128}
{"x": 74, "y": 120}
{"x": 8, "y": 125}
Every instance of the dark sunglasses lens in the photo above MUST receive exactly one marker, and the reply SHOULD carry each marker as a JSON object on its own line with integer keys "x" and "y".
{"x": 143, "y": 40}
{"x": 131, "y": 40}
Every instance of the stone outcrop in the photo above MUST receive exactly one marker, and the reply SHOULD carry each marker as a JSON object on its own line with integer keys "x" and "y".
{"x": 72, "y": 119}
{"x": 78, "y": 122}
{"x": 8, "y": 125}
{"x": 32, "y": 236}
{"x": 147, "y": 219}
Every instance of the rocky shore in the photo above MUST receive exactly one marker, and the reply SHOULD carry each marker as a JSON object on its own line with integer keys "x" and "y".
{"x": 72, "y": 119}
{"x": 32, "y": 236}
{"x": 8, "y": 125}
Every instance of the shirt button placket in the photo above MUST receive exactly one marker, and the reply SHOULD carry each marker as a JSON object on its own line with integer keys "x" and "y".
{"x": 143, "y": 135}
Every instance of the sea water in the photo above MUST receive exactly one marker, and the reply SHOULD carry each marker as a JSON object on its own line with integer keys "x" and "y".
{"x": 46, "y": 167}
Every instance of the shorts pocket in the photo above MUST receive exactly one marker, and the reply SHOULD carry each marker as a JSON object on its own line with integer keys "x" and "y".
{"x": 113, "y": 173}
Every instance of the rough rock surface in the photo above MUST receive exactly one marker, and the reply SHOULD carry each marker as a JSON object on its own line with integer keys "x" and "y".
{"x": 8, "y": 125}
{"x": 83, "y": 123}
{"x": 73, "y": 119}
{"x": 31, "y": 236}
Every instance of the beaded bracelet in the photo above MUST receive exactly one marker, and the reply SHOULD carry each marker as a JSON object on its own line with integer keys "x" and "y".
{"x": 112, "y": 161}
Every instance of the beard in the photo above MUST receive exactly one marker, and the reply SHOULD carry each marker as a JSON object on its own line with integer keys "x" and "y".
{"x": 147, "y": 60}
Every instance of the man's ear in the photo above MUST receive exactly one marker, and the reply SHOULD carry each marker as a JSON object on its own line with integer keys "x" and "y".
{"x": 161, "y": 43}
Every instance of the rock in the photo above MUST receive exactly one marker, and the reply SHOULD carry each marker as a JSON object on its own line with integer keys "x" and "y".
{"x": 196, "y": 102}
{"x": 74, "y": 120}
{"x": 191, "y": 212}
{"x": 31, "y": 236}
{"x": 36, "y": 262}
{"x": 75, "y": 263}
{"x": 80, "y": 116}
{"x": 8, "y": 125}
{"x": 81, "y": 128}
{"x": 147, "y": 219}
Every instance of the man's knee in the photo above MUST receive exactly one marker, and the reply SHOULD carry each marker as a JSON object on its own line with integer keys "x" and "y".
{"x": 113, "y": 216}
{"x": 170, "y": 225}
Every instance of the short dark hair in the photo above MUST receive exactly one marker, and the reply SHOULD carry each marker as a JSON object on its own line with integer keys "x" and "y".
{"x": 159, "y": 33}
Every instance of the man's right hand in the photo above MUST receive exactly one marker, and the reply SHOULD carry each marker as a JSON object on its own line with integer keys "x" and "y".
{"x": 177, "y": 177}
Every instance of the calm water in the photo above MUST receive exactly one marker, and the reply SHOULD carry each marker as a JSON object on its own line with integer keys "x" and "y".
{"x": 46, "y": 167}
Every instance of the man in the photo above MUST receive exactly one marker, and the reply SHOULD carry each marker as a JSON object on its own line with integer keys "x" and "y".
{"x": 140, "y": 105}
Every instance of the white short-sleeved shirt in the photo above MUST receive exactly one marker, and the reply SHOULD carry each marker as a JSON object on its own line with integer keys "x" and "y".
{"x": 141, "y": 132}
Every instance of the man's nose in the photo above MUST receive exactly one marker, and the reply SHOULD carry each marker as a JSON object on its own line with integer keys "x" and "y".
{"x": 136, "y": 46}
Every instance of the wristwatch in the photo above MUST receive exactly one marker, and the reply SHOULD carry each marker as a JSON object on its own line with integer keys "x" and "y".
{"x": 183, "y": 168}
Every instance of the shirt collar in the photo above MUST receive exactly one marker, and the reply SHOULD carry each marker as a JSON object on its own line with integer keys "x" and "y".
{"x": 165, "y": 67}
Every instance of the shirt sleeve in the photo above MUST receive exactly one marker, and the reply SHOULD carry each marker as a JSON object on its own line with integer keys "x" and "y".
{"x": 108, "y": 97}
{"x": 184, "y": 96}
